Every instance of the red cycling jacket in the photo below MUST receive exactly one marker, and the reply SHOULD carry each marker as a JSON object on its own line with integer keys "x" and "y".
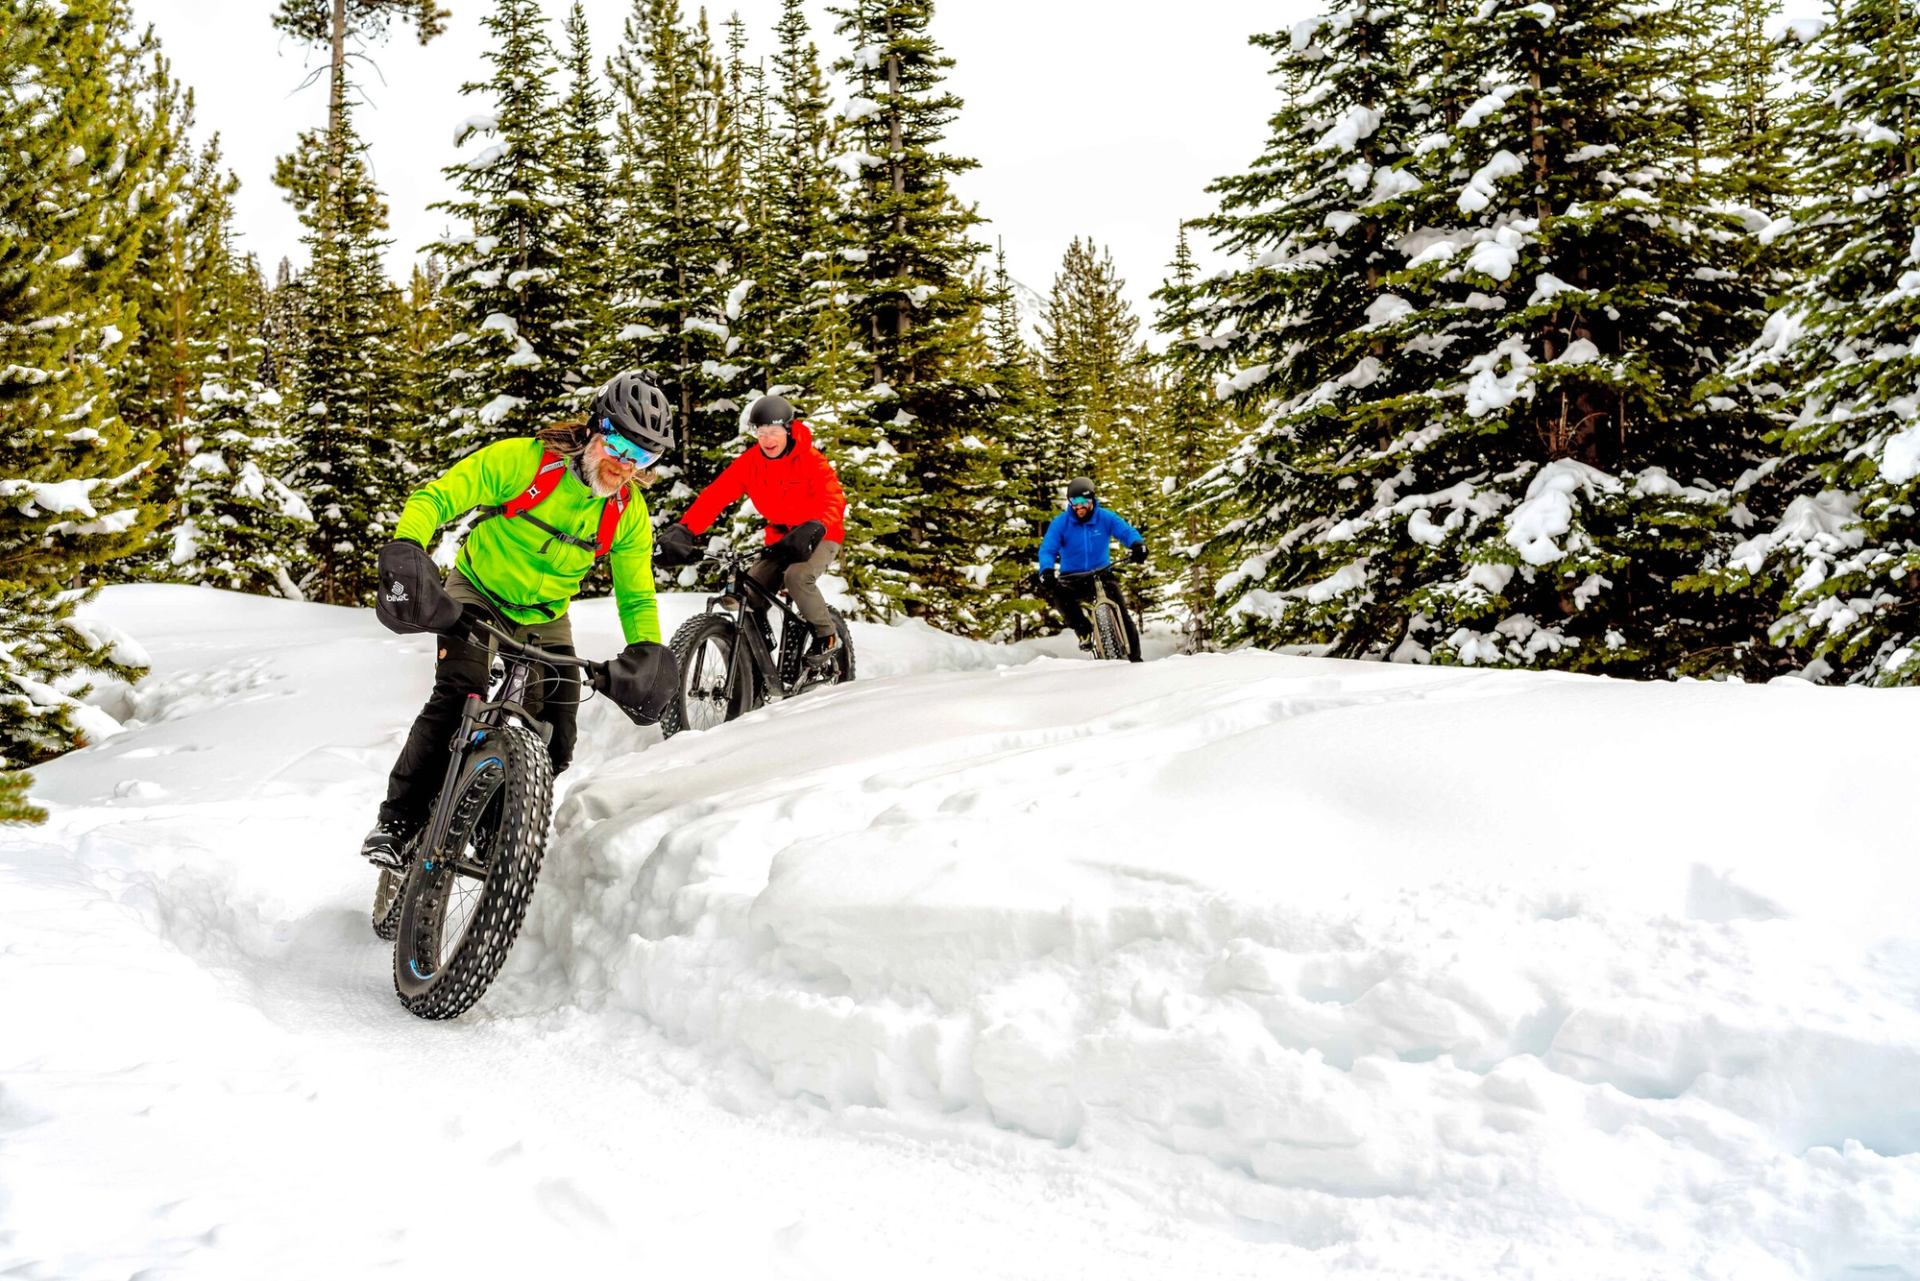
{"x": 790, "y": 490}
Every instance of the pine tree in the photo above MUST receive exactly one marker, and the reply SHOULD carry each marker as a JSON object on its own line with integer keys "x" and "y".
{"x": 1197, "y": 431}
{"x": 84, "y": 146}
{"x": 235, "y": 524}
{"x": 1841, "y": 349}
{"x": 1293, "y": 342}
{"x": 587, "y": 217}
{"x": 804, "y": 262}
{"x": 512, "y": 364}
{"x": 1024, "y": 499}
{"x": 348, "y": 380}
{"x": 1507, "y": 460}
{"x": 838, "y": 405}
{"x": 674, "y": 244}
{"x": 913, "y": 296}
{"x": 1096, "y": 377}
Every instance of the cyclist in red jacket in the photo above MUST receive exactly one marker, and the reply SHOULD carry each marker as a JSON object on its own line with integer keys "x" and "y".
{"x": 791, "y": 484}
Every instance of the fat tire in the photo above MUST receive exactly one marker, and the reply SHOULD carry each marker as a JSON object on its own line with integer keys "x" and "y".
{"x": 502, "y": 810}
{"x": 686, "y": 642}
{"x": 1109, "y": 632}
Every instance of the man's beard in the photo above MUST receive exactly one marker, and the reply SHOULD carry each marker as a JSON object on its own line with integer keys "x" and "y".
{"x": 605, "y": 480}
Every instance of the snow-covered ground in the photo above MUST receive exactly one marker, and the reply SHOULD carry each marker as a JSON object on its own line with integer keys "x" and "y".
{"x": 996, "y": 963}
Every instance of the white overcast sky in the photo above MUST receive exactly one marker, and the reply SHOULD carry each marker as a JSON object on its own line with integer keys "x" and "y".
{"x": 1093, "y": 118}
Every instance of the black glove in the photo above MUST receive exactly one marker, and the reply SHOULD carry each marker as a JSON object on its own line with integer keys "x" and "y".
{"x": 1138, "y": 552}
{"x": 1047, "y": 579}
{"x": 676, "y": 546}
{"x": 639, "y": 681}
{"x": 799, "y": 544}
{"x": 409, "y": 597}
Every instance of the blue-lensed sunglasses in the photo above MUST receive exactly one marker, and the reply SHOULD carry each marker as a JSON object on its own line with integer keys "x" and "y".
{"x": 626, "y": 447}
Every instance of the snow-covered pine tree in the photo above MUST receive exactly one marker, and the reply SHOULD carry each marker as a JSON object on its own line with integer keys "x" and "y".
{"x": 1739, "y": 147}
{"x": 1306, "y": 505}
{"x": 1098, "y": 384}
{"x": 801, "y": 198}
{"x": 1510, "y": 461}
{"x": 673, "y": 245}
{"x": 511, "y": 366}
{"x": 913, "y": 294}
{"x": 235, "y": 523}
{"x": 1841, "y": 348}
{"x": 1593, "y": 287}
{"x": 80, "y": 151}
{"x": 586, "y": 216}
{"x": 348, "y": 377}
{"x": 1025, "y": 497}
{"x": 837, "y": 402}
{"x": 157, "y": 375}
{"x": 748, "y": 173}
{"x": 1195, "y": 430}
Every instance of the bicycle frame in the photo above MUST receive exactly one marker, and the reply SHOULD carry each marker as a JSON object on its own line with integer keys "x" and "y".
{"x": 1100, "y": 597}
{"x": 742, "y": 588}
{"x": 479, "y": 715}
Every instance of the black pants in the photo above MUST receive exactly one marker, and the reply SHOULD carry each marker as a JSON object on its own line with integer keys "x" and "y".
{"x": 1070, "y": 598}
{"x": 462, "y": 669}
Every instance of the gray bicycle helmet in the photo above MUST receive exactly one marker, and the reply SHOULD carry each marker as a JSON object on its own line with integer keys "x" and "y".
{"x": 632, "y": 407}
{"x": 770, "y": 409}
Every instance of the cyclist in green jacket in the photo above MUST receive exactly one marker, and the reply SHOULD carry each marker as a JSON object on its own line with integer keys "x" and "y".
{"x": 551, "y": 506}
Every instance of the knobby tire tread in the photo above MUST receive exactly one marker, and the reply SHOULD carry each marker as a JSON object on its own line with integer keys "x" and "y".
{"x": 515, "y": 846}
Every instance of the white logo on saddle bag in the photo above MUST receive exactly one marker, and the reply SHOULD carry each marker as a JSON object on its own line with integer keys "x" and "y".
{"x": 397, "y": 594}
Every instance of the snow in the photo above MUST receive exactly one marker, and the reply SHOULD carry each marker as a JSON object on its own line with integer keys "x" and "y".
{"x": 485, "y": 122}
{"x": 1478, "y": 193}
{"x": 1580, "y": 351}
{"x": 1386, "y": 309}
{"x": 1391, "y": 184}
{"x": 497, "y": 409}
{"x": 1546, "y": 514}
{"x": 1900, "y": 457}
{"x": 1230, "y": 966}
{"x": 1352, "y": 127}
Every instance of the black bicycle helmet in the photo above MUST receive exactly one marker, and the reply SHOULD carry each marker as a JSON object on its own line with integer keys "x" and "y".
{"x": 770, "y": 409}
{"x": 635, "y": 408}
{"x": 1080, "y": 487}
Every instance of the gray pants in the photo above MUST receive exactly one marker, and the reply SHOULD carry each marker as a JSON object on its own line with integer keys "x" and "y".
{"x": 802, "y": 583}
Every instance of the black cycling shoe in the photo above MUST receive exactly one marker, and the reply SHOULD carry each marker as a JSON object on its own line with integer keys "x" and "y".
{"x": 1085, "y": 642}
{"x": 386, "y": 847}
{"x": 826, "y": 650}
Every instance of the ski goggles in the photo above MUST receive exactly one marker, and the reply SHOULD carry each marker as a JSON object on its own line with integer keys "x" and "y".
{"x": 626, "y": 447}
{"x": 1080, "y": 500}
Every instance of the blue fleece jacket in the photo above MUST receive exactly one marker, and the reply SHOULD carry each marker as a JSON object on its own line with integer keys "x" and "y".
{"x": 1081, "y": 545}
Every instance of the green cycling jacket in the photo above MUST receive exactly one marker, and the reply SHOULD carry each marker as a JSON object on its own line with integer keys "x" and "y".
{"x": 529, "y": 573}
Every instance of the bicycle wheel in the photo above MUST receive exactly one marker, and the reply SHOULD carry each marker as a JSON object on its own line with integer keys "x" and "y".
{"x": 703, "y": 648}
{"x": 463, "y": 903}
{"x": 1109, "y": 631}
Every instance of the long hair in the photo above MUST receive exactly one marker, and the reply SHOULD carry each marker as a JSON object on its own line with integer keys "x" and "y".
{"x": 570, "y": 438}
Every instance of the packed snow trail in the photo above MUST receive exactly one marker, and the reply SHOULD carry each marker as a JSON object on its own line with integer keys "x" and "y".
{"x": 995, "y": 962}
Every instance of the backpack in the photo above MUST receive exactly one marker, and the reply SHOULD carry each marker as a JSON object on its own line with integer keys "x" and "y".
{"x": 553, "y": 467}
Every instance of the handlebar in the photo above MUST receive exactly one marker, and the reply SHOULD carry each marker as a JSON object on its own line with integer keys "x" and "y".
{"x": 506, "y": 642}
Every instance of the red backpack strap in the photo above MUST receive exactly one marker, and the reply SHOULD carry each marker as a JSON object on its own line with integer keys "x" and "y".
{"x": 553, "y": 468}
{"x": 610, "y": 513}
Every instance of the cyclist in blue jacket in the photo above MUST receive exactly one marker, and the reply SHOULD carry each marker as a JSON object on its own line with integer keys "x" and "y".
{"x": 1077, "y": 542}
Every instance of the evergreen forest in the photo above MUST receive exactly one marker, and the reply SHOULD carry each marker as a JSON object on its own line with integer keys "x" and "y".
{"x": 1578, "y": 334}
